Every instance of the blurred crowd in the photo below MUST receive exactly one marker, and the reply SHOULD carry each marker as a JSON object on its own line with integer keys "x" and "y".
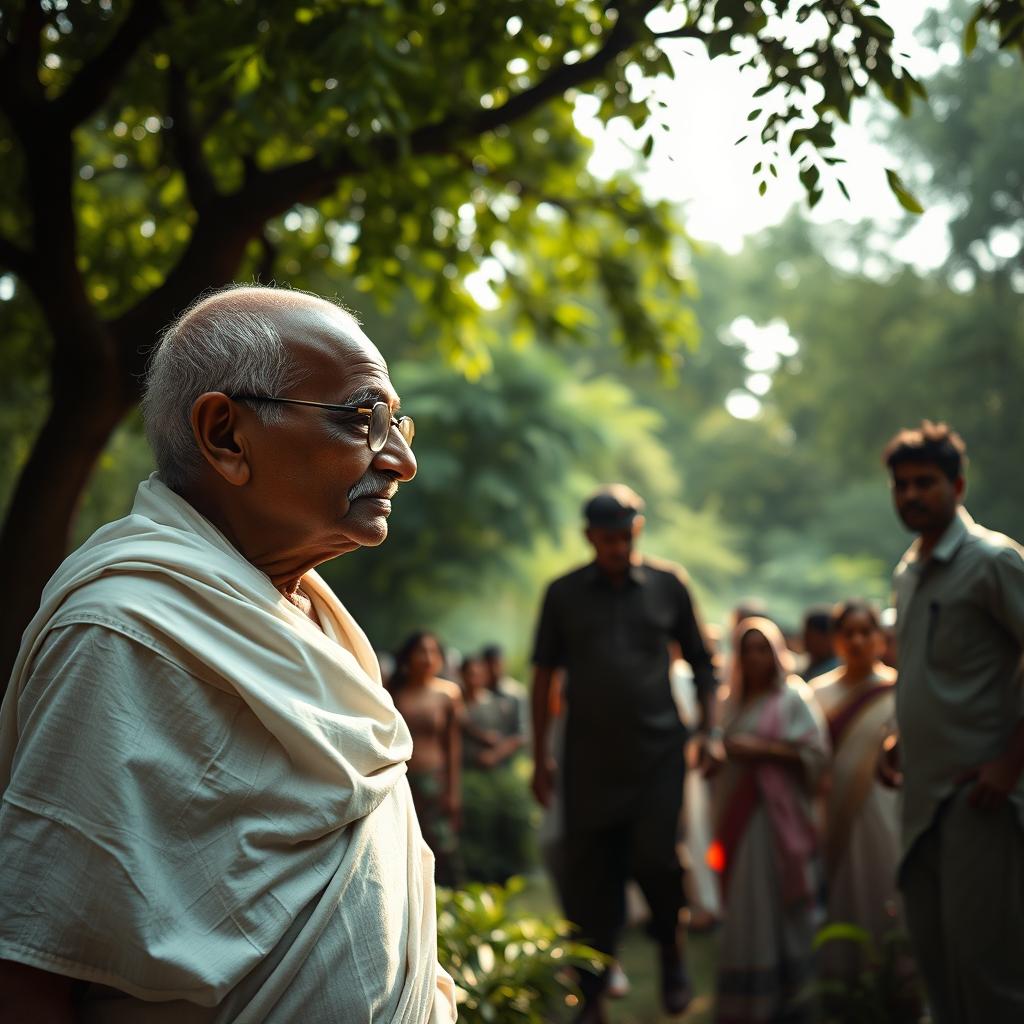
{"x": 843, "y": 834}
{"x": 468, "y": 720}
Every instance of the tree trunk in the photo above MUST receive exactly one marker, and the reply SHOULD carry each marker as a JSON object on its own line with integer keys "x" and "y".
{"x": 95, "y": 382}
{"x": 36, "y": 531}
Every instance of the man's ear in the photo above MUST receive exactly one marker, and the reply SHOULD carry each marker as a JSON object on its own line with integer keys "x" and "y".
{"x": 638, "y": 525}
{"x": 220, "y": 437}
{"x": 960, "y": 487}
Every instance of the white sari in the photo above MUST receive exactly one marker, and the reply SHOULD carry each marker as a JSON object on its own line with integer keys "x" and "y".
{"x": 862, "y": 848}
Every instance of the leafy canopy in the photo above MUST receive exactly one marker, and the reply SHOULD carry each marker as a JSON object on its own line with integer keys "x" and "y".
{"x": 403, "y": 144}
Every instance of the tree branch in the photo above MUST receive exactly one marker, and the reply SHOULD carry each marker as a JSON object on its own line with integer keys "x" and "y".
{"x": 17, "y": 260}
{"x": 571, "y": 206}
{"x": 269, "y": 193}
{"x": 686, "y": 32}
{"x": 222, "y": 232}
{"x": 97, "y": 78}
{"x": 187, "y": 142}
{"x": 20, "y": 88}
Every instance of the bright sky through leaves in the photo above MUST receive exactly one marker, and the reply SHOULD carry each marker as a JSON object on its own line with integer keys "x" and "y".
{"x": 698, "y": 164}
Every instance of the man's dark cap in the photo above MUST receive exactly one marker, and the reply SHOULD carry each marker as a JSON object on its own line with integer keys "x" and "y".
{"x": 613, "y": 508}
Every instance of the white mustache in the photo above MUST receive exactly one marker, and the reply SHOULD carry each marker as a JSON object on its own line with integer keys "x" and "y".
{"x": 375, "y": 485}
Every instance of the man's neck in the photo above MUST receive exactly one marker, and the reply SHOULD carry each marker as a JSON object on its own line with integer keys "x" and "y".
{"x": 285, "y": 572}
{"x": 930, "y": 540}
{"x": 617, "y": 576}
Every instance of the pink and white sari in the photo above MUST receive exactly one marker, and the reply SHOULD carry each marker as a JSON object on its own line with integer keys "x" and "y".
{"x": 767, "y": 848}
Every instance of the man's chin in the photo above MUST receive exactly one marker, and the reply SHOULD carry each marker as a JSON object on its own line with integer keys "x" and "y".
{"x": 369, "y": 534}
{"x": 915, "y": 523}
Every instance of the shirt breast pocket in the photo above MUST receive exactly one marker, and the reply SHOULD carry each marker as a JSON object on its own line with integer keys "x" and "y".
{"x": 955, "y": 629}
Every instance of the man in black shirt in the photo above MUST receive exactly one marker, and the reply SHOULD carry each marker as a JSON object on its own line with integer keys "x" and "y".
{"x": 609, "y": 626}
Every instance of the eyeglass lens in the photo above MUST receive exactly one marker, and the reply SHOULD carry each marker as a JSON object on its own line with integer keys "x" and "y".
{"x": 380, "y": 424}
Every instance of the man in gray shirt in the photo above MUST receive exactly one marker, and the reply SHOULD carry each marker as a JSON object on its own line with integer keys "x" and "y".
{"x": 960, "y": 631}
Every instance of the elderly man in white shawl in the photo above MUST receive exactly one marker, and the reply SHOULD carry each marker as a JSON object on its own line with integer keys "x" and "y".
{"x": 205, "y": 814}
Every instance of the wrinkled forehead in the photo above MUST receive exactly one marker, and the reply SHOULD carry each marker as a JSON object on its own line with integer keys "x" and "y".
{"x": 329, "y": 348}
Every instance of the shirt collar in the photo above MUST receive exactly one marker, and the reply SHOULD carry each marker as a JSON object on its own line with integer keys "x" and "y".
{"x": 949, "y": 543}
{"x": 955, "y": 535}
{"x": 637, "y": 574}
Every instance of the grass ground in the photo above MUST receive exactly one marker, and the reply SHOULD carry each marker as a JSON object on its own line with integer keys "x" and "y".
{"x": 642, "y": 1005}
{"x": 638, "y": 957}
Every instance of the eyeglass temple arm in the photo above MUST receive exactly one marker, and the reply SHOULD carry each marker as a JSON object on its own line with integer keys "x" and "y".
{"x": 317, "y": 405}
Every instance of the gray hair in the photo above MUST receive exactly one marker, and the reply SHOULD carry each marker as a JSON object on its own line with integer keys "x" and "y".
{"x": 217, "y": 344}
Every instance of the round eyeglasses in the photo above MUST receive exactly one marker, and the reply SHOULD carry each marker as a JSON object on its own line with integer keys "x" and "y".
{"x": 379, "y": 415}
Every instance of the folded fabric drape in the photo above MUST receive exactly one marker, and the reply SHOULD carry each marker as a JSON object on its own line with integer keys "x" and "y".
{"x": 166, "y": 578}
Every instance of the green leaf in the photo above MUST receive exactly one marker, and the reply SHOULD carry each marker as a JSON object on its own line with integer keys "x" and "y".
{"x": 904, "y": 196}
{"x": 843, "y": 932}
{"x": 971, "y": 30}
{"x": 248, "y": 76}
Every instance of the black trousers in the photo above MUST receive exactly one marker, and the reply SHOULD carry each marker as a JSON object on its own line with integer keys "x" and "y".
{"x": 597, "y": 861}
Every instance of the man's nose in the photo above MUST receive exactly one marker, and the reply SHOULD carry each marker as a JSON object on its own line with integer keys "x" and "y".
{"x": 396, "y": 457}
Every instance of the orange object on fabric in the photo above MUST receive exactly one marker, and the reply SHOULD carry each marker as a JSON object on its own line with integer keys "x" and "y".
{"x": 715, "y": 857}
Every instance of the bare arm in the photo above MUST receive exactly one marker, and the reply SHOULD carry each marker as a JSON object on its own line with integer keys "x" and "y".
{"x": 689, "y": 634}
{"x": 501, "y": 751}
{"x": 31, "y": 996}
{"x": 540, "y": 698}
{"x": 487, "y": 737}
{"x": 755, "y": 748}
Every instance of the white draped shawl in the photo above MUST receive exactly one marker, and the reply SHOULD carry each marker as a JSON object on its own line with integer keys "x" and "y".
{"x": 271, "y": 863}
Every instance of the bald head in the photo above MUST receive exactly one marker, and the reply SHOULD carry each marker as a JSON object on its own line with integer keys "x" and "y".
{"x": 273, "y": 303}
{"x": 240, "y": 340}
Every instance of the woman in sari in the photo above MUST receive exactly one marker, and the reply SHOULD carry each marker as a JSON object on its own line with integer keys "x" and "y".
{"x": 433, "y": 710}
{"x": 766, "y": 846}
{"x": 862, "y": 847}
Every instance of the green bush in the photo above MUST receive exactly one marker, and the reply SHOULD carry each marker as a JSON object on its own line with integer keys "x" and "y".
{"x": 885, "y": 991}
{"x": 508, "y": 969}
{"x": 500, "y": 818}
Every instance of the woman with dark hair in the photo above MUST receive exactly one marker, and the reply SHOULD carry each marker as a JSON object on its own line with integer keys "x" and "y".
{"x": 862, "y": 848}
{"x": 766, "y": 846}
{"x": 432, "y": 708}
